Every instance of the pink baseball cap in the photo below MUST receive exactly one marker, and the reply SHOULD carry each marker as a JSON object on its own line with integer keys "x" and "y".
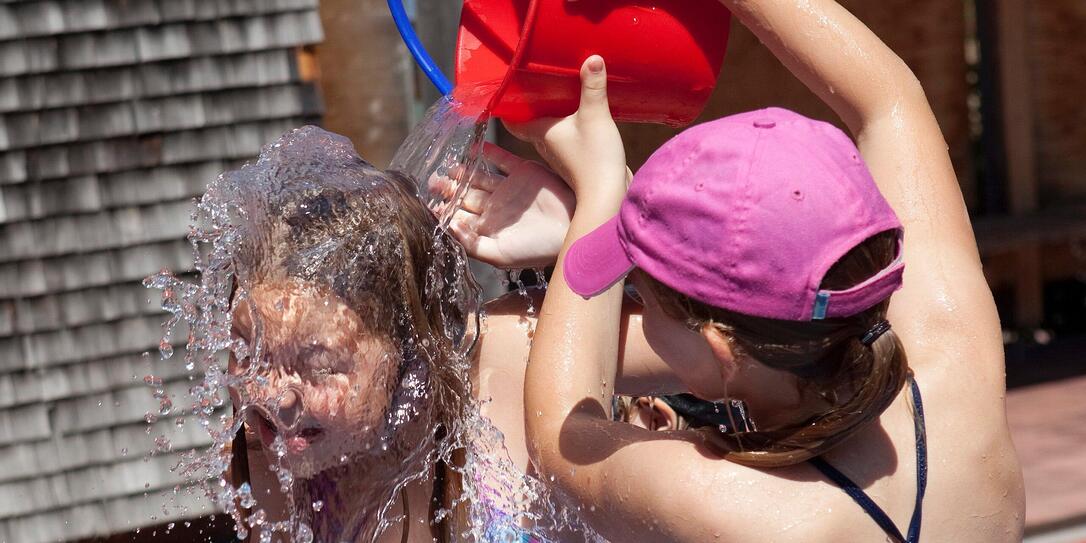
{"x": 746, "y": 213}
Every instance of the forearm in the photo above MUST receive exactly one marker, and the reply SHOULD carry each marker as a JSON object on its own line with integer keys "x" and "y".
{"x": 574, "y": 356}
{"x": 833, "y": 53}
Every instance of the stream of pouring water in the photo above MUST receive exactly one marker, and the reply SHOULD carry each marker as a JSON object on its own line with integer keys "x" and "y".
{"x": 304, "y": 212}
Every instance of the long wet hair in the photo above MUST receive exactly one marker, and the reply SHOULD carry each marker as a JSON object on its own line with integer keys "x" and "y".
{"x": 315, "y": 211}
{"x": 312, "y": 210}
{"x": 857, "y": 381}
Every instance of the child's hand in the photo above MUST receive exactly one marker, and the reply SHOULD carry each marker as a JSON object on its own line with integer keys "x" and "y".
{"x": 515, "y": 220}
{"x": 585, "y": 148}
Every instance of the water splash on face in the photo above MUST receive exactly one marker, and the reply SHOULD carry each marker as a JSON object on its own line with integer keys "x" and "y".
{"x": 447, "y": 143}
{"x": 334, "y": 311}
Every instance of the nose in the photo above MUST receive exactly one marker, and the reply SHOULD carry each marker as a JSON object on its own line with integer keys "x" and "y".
{"x": 291, "y": 405}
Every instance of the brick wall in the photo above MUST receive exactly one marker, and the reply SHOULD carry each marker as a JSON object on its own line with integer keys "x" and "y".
{"x": 1055, "y": 34}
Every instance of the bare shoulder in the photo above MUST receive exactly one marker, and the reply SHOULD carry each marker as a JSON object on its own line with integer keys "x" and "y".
{"x": 507, "y": 329}
{"x": 501, "y": 360}
{"x": 672, "y": 488}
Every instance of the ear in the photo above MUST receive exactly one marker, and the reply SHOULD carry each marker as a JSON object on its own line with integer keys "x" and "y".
{"x": 722, "y": 350}
{"x": 654, "y": 414}
{"x": 665, "y": 417}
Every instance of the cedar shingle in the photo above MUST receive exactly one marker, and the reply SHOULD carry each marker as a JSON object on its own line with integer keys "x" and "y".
{"x": 87, "y": 485}
{"x": 97, "y": 447}
{"x": 12, "y": 164}
{"x": 9, "y": 26}
{"x": 115, "y": 113}
{"x": 24, "y": 423}
{"x": 131, "y": 335}
{"x": 36, "y": 200}
{"x": 166, "y": 114}
{"x": 50, "y": 17}
{"x": 39, "y": 18}
{"x": 127, "y": 153}
{"x": 89, "y": 376}
{"x": 70, "y": 272}
{"x": 87, "y": 193}
{"x": 92, "y": 232}
{"x": 86, "y": 15}
{"x": 81, "y": 307}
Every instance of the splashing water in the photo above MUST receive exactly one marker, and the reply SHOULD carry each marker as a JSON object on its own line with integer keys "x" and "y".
{"x": 447, "y": 143}
{"x": 330, "y": 304}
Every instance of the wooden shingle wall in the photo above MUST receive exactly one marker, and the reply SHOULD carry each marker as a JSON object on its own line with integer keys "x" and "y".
{"x": 114, "y": 114}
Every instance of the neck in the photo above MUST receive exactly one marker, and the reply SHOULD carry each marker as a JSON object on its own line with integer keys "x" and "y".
{"x": 773, "y": 397}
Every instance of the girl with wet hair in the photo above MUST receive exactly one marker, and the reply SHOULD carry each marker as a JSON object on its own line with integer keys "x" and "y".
{"x": 770, "y": 253}
{"x": 357, "y": 320}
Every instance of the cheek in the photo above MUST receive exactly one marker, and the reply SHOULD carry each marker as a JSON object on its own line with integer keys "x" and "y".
{"x": 354, "y": 400}
{"x": 665, "y": 335}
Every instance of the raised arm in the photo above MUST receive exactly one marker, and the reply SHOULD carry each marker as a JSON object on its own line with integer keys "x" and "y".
{"x": 881, "y": 101}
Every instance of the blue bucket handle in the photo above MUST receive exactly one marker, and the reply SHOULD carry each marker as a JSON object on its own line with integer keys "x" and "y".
{"x": 422, "y": 58}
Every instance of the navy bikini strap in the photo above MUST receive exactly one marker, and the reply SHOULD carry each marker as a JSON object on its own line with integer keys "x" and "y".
{"x": 865, "y": 501}
{"x": 860, "y": 497}
{"x": 921, "y": 459}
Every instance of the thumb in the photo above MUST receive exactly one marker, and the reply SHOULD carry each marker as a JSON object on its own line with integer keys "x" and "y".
{"x": 593, "y": 87}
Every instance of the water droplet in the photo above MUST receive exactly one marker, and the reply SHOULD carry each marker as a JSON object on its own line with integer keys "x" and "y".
{"x": 304, "y": 535}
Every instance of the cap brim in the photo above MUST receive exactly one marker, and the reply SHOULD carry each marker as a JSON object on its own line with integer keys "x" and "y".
{"x": 597, "y": 261}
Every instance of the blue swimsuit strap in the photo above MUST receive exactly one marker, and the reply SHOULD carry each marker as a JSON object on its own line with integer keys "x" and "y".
{"x": 865, "y": 501}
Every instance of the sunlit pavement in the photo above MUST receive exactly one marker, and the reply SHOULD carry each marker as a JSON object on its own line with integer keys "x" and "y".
{"x": 1048, "y": 424}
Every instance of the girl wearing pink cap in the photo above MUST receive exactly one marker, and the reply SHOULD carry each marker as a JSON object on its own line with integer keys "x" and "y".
{"x": 766, "y": 251}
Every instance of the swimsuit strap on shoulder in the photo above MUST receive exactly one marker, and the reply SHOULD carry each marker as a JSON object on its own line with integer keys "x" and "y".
{"x": 865, "y": 501}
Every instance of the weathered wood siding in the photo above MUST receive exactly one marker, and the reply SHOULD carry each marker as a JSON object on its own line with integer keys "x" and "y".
{"x": 114, "y": 114}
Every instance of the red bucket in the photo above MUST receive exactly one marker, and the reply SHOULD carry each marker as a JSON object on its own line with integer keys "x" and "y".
{"x": 522, "y": 57}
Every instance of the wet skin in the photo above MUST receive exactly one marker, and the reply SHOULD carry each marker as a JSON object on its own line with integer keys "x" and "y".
{"x": 324, "y": 384}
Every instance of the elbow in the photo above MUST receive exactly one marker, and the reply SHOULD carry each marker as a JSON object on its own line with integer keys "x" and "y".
{"x": 542, "y": 443}
{"x": 900, "y": 101}
{"x": 902, "y": 89}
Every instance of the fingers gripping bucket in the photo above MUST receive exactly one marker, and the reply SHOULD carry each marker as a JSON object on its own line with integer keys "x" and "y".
{"x": 524, "y": 56}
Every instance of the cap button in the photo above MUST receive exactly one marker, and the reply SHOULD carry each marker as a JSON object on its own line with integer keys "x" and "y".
{"x": 764, "y": 123}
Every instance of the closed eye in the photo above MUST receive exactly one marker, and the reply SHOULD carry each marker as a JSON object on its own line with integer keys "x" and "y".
{"x": 321, "y": 360}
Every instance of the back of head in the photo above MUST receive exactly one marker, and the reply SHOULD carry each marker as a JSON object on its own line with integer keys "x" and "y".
{"x": 858, "y": 382}
{"x": 768, "y": 226}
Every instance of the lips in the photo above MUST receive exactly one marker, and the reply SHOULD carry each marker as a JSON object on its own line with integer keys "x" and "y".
{"x": 302, "y": 438}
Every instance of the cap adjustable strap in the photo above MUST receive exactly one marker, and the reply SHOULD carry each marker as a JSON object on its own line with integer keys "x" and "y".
{"x": 861, "y": 297}
{"x": 822, "y": 302}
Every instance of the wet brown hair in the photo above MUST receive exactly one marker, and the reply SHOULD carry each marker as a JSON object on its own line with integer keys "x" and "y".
{"x": 311, "y": 209}
{"x": 859, "y": 382}
{"x": 375, "y": 246}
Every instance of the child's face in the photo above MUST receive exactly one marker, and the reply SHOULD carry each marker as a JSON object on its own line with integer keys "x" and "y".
{"x": 684, "y": 350}
{"x": 325, "y": 382}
